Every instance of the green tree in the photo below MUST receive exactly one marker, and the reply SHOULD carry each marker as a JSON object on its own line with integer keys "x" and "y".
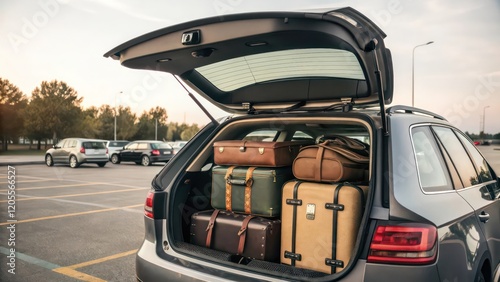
{"x": 149, "y": 122}
{"x": 53, "y": 111}
{"x": 174, "y": 131}
{"x": 90, "y": 124}
{"x": 125, "y": 123}
{"x": 189, "y": 132}
{"x": 106, "y": 118}
{"x": 12, "y": 104}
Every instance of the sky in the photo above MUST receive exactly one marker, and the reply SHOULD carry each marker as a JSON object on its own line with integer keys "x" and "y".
{"x": 457, "y": 76}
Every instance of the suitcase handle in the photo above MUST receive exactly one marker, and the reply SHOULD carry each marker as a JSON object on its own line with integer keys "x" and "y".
{"x": 241, "y": 182}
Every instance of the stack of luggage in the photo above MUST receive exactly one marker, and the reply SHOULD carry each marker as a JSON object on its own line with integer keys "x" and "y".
{"x": 288, "y": 202}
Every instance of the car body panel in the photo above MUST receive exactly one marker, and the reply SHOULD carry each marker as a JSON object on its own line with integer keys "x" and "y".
{"x": 342, "y": 30}
{"x": 114, "y": 147}
{"x": 135, "y": 150}
{"x": 63, "y": 150}
{"x": 198, "y": 51}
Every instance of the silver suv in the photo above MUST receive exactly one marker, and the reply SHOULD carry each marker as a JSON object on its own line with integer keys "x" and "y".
{"x": 76, "y": 151}
{"x": 432, "y": 208}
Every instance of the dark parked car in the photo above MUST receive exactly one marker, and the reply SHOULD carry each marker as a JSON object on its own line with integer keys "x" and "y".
{"x": 432, "y": 208}
{"x": 145, "y": 152}
{"x": 76, "y": 151}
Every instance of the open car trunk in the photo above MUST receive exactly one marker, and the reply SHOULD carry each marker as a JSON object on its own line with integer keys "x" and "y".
{"x": 192, "y": 196}
{"x": 284, "y": 74}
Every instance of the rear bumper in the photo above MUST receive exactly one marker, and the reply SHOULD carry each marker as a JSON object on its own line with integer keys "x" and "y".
{"x": 162, "y": 158}
{"x": 150, "y": 267}
{"x": 93, "y": 160}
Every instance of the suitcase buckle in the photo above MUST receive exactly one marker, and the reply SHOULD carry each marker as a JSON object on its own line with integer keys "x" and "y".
{"x": 294, "y": 256}
{"x": 334, "y": 262}
{"x": 335, "y": 207}
{"x": 242, "y": 230}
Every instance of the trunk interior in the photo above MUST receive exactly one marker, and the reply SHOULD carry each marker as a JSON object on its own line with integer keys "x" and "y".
{"x": 299, "y": 236}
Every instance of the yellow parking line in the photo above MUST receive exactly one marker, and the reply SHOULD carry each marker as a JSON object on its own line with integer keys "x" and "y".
{"x": 70, "y": 214}
{"x": 57, "y": 186}
{"x": 74, "y": 185}
{"x": 100, "y": 260}
{"x": 71, "y": 272}
{"x": 77, "y": 274}
{"x": 73, "y": 195}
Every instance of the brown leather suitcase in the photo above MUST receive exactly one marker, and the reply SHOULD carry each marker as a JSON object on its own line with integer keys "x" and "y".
{"x": 250, "y": 190}
{"x": 257, "y": 153}
{"x": 331, "y": 161}
{"x": 244, "y": 235}
{"x": 320, "y": 224}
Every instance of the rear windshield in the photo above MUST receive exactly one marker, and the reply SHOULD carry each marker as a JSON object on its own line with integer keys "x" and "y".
{"x": 239, "y": 72}
{"x": 160, "y": 146}
{"x": 118, "y": 143}
{"x": 94, "y": 145}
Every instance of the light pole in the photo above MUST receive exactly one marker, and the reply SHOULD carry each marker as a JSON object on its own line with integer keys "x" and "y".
{"x": 413, "y": 72}
{"x": 484, "y": 118}
{"x": 115, "y": 112}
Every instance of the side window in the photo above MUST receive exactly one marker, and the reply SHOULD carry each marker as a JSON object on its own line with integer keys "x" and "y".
{"x": 432, "y": 170}
{"x": 131, "y": 146}
{"x": 72, "y": 144}
{"x": 60, "y": 144}
{"x": 299, "y": 135}
{"x": 262, "y": 135}
{"x": 480, "y": 162}
{"x": 142, "y": 146}
{"x": 458, "y": 155}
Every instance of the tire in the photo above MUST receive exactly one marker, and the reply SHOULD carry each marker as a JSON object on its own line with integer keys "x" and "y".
{"x": 115, "y": 159}
{"x": 145, "y": 161}
{"x": 480, "y": 277}
{"x": 101, "y": 164}
{"x": 48, "y": 160}
{"x": 73, "y": 162}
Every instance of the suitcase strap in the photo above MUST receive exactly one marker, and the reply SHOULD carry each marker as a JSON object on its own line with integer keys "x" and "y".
{"x": 292, "y": 255}
{"x": 248, "y": 182}
{"x": 319, "y": 164}
{"x": 210, "y": 228}
{"x": 229, "y": 186}
{"x": 243, "y": 234}
{"x": 248, "y": 190}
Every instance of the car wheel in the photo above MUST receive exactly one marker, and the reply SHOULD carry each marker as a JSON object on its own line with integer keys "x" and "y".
{"x": 73, "y": 162}
{"x": 48, "y": 160}
{"x": 480, "y": 277}
{"x": 115, "y": 159}
{"x": 145, "y": 161}
{"x": 101, "y": 164}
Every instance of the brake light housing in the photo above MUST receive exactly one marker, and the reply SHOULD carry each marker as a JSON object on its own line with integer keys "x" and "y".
{"x": 82, "y": 150}
{"x": 155, "y": 152}
{"x": 148, "y": 205}
{"x": 404, "y": 243}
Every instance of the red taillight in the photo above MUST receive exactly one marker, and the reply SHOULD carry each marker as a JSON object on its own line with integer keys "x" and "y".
{"x": 82, "y": 150}
{"x": 106, "y": 150}
{"x": 148, "y": 205}
{"x": 405, "y": 243}
{"x": 155, "y": 152}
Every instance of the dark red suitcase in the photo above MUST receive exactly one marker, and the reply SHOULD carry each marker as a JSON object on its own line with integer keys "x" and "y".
{"x": 246, "y": 235}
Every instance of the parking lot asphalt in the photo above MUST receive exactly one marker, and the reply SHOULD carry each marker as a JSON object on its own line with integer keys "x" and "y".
{"x": 66, "y": 224}
{"x": 82, "y": 224}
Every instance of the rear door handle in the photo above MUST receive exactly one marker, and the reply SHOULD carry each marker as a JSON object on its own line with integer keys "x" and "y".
{"x": 484, "y": 217}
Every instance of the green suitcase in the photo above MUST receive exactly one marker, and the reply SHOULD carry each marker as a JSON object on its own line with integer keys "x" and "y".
{"x": 249, "y": 190}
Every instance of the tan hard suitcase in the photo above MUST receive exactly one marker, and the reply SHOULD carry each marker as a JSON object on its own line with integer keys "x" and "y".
{"x": 320, "y": 224}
